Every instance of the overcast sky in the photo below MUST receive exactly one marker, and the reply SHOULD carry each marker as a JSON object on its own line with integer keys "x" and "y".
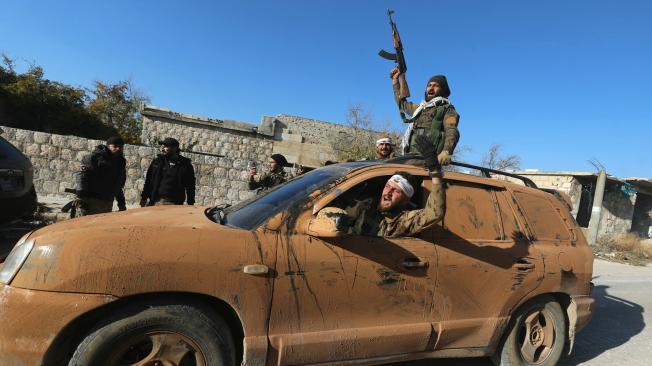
{"x": 555, "y": 82}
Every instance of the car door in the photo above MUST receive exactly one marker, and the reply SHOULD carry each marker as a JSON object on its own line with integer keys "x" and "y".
{"x": 351, "y": 297}
{"x": 486, "y": 264}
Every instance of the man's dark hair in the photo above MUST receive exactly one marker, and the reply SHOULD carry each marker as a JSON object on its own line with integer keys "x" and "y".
{"x": 115, "y": 140}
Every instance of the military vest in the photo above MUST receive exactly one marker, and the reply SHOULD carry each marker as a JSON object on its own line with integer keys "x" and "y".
{"x": 430, "y": 122}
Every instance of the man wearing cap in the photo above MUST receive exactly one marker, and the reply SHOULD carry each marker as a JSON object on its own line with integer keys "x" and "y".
{"x": 102, "y": 179}
{"x": 387, "y": 216}
{"x": 384, "y": 149}
{"x": 435, "y": 117}
{"x": 170, "y": 178}
{"x": 275, "y": 176}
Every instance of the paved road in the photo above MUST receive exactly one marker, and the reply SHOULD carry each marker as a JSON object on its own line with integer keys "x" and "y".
{"x": 617, "y": 334}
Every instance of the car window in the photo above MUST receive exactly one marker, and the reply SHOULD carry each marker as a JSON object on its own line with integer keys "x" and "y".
{"x": 363, "y": 198}
{"x": 471, "y": 212}
{"x": 251, "y": 213}
{"x": 542, "y": 217}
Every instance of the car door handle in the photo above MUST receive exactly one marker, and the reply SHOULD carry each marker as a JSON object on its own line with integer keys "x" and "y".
{"x": 523, "y": 264}
{"x": 414, "y": 263}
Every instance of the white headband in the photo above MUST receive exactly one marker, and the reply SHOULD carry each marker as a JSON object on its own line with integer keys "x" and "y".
{"x": 403, "y": 184}
{"x": 386, "y": 140}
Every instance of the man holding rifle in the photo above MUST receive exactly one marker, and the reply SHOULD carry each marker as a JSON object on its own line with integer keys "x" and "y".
{"x": 435, "y": 117}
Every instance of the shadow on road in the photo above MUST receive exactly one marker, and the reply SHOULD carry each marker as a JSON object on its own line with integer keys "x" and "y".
{"x": 615, "y": 321}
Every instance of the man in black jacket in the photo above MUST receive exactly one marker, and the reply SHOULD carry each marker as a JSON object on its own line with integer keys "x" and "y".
{"x": 170, "y": 178}
{"x": 102, "y": 179}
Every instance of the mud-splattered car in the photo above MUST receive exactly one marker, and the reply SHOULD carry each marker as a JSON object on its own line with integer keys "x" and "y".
{"x": 505, "y": 274}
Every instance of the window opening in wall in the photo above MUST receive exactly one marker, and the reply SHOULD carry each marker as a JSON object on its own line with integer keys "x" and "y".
{"x": 586, "y": 203}
{"x": 642, "y": 218}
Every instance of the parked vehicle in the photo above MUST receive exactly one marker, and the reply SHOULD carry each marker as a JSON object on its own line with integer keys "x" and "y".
{"x": 17, "y": 194}
{"x": 506, "y": 274}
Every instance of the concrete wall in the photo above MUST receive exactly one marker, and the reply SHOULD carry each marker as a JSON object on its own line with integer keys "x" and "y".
{"x": 57, "y": 158}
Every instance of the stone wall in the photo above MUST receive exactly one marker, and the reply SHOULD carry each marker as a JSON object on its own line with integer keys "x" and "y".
{"x": 302, "y": 140}
{"x": 232, "y": 139}
{"x": 56, "y": 159}
{"x": 314, "y": 131}
{"x": 617, "y": 210}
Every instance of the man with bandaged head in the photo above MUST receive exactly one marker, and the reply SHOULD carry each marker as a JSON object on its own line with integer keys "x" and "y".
{"x": 387, "y": 216}
{"x": 435, "y": 117}
{"x": 384, "y": 149}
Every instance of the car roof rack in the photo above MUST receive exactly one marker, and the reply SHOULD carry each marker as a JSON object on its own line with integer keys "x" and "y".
{"x": 411, "y": 159}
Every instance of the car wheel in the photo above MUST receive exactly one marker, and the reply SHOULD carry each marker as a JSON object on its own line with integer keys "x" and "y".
{"x": 536, "y": 335}
{"x": 180, "y": 335}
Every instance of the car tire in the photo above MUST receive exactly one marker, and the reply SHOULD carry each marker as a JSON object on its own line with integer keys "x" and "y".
{"x": 536, "y": 335}
{"x": 171, "y": 334}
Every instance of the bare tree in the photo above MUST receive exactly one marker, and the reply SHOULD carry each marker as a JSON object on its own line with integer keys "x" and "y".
{"x": 494, "y": 160}
{"x": 360, "y": 142}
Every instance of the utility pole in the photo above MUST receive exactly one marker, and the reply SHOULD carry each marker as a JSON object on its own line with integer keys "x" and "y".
{"x": 596, "y": 211}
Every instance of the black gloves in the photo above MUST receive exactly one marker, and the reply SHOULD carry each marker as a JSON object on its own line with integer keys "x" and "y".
{"x": 427, "y": 149}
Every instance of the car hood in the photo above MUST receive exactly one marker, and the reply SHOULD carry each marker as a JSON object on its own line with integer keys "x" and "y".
{"x": 134, "y": 251}
{"x": 142, "y": 218}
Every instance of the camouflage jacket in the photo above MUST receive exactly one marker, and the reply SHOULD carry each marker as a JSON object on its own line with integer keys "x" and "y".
{"x": 439, "y": 123}
{"x": 268, "y": 180}
{"x": 377, "y": 156}
{"x": 365, "y": 218}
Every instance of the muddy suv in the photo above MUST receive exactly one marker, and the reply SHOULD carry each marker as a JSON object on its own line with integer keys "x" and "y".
{"x": 506, "y": 274}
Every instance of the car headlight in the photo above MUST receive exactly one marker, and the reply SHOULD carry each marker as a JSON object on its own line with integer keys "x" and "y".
{"x": 15, "y": 259}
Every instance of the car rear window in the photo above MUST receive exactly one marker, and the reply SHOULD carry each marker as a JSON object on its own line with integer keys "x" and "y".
{"x": 542, "y": 217}
{"x": 471, "y": 212}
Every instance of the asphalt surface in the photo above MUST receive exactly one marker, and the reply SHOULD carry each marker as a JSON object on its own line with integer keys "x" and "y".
{"x": 617, "y": 334}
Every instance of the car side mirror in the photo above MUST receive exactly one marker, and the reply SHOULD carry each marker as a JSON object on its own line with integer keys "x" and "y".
{"x": 330, "y": 222}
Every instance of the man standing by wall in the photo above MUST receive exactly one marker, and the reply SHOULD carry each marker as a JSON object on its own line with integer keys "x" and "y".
{"x": 170, "y": 178}
{"x": 102, "y": 179}
{"x": 275, "y": 176}
{"x": 435, "y": 117}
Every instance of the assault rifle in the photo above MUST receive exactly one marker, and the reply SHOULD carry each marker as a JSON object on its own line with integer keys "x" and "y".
{"x": 397, "y": 57}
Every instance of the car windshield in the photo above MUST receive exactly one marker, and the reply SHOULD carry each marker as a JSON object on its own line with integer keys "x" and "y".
{"x": 251, "y": 213}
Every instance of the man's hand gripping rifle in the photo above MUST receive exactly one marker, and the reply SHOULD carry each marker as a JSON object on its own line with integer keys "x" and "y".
{"x": 397, "y": 57}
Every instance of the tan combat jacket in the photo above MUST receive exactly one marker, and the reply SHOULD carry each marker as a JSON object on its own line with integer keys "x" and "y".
{"x": 367, "y": 220}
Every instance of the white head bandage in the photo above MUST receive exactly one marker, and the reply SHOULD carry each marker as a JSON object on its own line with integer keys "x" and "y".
{"x": 402, "y": 184}
{"x": 386, "y": 140}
